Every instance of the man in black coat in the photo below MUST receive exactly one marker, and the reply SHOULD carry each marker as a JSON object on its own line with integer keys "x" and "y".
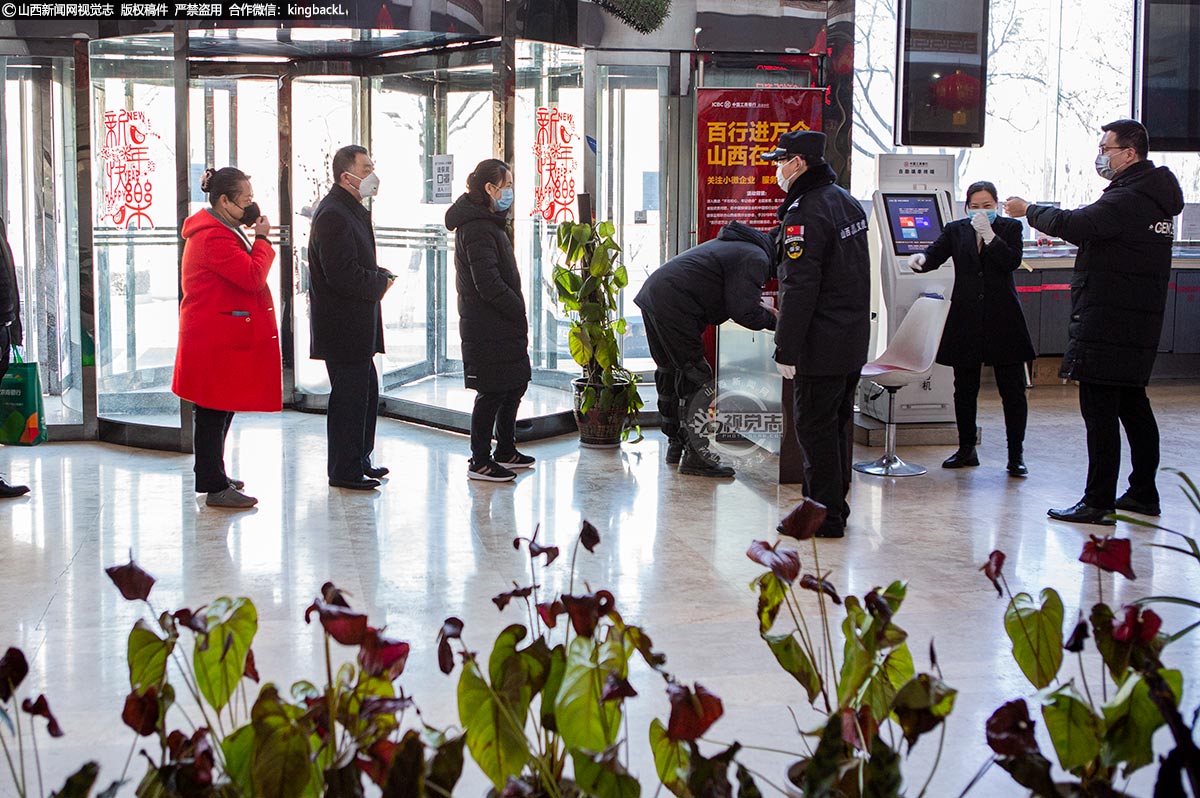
{"x": 824, "y": 326}
{"x": 11, "y": 332}
{"x": 708, "y": 284}
{"x": 346, "y": 287}
{"x": 1118, "y": 294}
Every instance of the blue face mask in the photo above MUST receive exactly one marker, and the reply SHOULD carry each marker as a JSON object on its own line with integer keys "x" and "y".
{"x": 990, "y": 213}
{"x": 506, "y": 199}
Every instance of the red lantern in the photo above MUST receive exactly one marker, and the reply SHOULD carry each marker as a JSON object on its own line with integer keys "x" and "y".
{"x": 957, "y": 93}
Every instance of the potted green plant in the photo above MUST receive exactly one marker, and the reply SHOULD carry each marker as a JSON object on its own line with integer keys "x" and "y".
{"x": 588, "y": 284}
{"x": 876, "y": 685}
{"x": 1099, "y": 732}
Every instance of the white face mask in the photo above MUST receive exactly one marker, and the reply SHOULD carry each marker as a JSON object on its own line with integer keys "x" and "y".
{"x": 367, "y": 186}
{"x": 1103, "y": 168}
{"x": 784, "y": 182}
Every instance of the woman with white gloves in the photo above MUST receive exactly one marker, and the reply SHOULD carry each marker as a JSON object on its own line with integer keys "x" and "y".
{"x": 985, "y": 324}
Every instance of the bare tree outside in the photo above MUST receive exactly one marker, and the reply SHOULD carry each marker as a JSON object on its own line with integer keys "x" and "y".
{"x": 1057, "y": 71}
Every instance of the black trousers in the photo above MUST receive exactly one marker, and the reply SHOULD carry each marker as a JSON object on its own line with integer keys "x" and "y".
{"x": 350, "y": 420}
{"x": 1010, "y": 381}
{"x": 824, "y": 408}
{"x": 210, "y": 428}
{"x": 680, "y": 373}
{"x": 1105, "y": 409}
{"x": 495, "y": 410}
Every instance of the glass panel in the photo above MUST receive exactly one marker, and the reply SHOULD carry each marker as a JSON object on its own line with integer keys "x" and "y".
{"x": 407, "y": 228}
{"x": 548, "y": 173}
{"x": 39, "y": 176}
{"x": 240, "y": 111}
{"x": 632, "y": 109}
{"x": 324, "y": 118}
{"x": 469, "y": 141}
{"x": 135, "y": 238}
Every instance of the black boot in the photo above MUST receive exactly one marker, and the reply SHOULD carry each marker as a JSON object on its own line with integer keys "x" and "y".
{"x": 1016, "y": 461}
{"x": 703, "y": 463}
{"x": 964, "y": 457}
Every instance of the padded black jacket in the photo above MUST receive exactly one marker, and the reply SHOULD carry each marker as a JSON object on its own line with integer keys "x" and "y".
{"x": 1119, "y": 285}
{"x": 824, "y": 326}
{"x": 713, "y": 282}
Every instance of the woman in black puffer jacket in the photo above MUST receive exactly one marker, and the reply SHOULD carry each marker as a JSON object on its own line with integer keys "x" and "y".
{"x": 492, "y": 321}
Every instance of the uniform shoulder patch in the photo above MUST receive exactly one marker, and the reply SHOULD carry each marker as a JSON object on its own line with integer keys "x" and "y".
{"x": 793, "y": 241}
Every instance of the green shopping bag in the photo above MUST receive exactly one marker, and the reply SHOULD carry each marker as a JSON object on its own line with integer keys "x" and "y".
{"x": 22, "y": 415}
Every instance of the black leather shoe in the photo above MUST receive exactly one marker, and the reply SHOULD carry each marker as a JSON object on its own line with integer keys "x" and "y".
{"x": 828, "y": 530}
{"x": 12, "y": 491}
{"x": 362, "y": 483}
{"x": 1016, "y": 466}
{"x": 1126, "y": 502}
{"x": 1083, "y": 514}
{"x": 963, "y": 458}
{"x": 825, "y": 530}
{"x": 376, "y": 472}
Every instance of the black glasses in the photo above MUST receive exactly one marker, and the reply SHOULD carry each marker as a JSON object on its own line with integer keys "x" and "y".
{"x": 1111, "y": 147}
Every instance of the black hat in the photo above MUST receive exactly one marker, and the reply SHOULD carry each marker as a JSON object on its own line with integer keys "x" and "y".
{"x": 809, "y": 143}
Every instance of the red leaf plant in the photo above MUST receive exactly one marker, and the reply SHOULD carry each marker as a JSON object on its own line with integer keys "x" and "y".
{"x": 1109, "y": 554}
{"x": 141, "y": 711}
{"x": 346, "y": 627}
{"x": 132, "y": 581}
{"x": 382, "y": 656}
{"x": 41, "y": 708}
{"x": 1136, "y": 625}
{"x": 586, "y": 611}
{"x": 992, "y": 570}
{"x": 13, "y": 670}
{"x": 803, "y": 522}
{"x": 1010, "y": 730}
{"x": 691, "y": 713}
{"x": 784, "y": 563}
{"x": 451, "y": 630}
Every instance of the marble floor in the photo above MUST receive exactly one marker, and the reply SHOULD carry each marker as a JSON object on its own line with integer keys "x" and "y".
{"x": 430, "y": 544}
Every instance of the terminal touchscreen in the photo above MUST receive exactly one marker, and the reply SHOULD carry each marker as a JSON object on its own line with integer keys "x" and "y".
{"x": 914, "y": 220}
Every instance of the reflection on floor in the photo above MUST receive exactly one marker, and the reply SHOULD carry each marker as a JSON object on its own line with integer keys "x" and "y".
{"x": 449, "y": 392}
{"x": 431, "y": 544}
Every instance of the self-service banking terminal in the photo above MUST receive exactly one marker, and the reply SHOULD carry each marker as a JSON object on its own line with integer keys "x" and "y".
{"x": 912, "y": 206}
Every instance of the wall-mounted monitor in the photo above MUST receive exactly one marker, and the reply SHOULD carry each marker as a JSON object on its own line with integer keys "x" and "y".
{"x": 941, "y": 73}
{"x": 1167, "y": 93}
{"x": 914, "y": 222}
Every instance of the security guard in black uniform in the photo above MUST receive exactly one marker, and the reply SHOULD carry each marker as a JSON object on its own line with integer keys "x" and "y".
{"x": 823, "y": 332}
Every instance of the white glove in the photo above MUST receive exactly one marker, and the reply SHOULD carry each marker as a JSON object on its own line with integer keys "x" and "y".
{"x": 786, "y": 371}
{"x": 982, "y": 226}
{"x": 915, "y": 262}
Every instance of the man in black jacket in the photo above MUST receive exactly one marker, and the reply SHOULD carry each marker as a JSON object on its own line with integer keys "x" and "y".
{"x": 346, "y": 289}
{"x": 1118, "y": 294}
{"x": 708, "y": 284}
{"x": 11, "y": 333}
{"x": 824, "y": 323}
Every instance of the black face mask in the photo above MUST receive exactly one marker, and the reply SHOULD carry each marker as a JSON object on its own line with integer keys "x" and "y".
{"x": 250, "y": 214}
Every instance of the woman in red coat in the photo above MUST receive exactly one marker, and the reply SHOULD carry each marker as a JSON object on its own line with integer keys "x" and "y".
{"x": 228, "y": 356}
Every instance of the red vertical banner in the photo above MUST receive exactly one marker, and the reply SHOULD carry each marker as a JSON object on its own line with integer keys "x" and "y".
{"x": 734, "y": 127}
{"x": 554, "y": 145}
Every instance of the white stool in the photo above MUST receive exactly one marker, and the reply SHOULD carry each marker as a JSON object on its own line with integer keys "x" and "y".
{"x": 907, "y": 359}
